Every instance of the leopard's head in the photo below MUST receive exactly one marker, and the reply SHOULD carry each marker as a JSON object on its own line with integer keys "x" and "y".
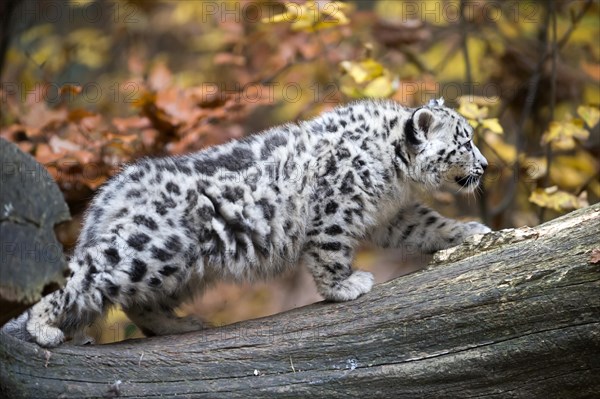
{"x": 441, "y": 141}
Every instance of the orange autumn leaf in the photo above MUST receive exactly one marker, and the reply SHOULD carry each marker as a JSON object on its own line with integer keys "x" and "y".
{"x": 45, "y": 155}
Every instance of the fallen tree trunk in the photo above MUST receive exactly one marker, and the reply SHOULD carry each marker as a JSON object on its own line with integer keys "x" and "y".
{"x": 514, "y": 315}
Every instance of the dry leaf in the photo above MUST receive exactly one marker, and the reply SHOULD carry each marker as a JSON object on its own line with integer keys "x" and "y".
{"x": 127, "y": 125}
{"x": 59, "y": 145}
{"x": 229, "y": 59}
{"x": 562, "y": 134}
{"x": 38, "y": 116}
{"x": 380, "y": 87}
{"x": 558, "y": 200}
{"x": 363, "y": 71}
{"x": 591, "y": 115}
{"x": 507, "y": 152}
{"x": 75, "y": 115}
{"x": 493, "y": 125}
{"x": 312, "y": 16}
{"x": 478, "y": 100}
{"x": 160, "y": 77}
{"x": 45, "y": 155}
{"x": 473, "y": 111}
{"x": 70, "y": 90}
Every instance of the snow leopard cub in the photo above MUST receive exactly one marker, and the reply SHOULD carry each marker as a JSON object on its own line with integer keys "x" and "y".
{"x": 164, "y": 229}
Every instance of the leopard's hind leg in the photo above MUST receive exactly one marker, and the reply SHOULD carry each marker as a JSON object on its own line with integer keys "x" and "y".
{"x": 161, "y": 319}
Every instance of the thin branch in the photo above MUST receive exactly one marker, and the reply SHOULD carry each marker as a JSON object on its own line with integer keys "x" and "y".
{"x": 510, "y": 190}
{"x": 575, "y": 19}
{"x": 554, "y": 59}
{"x": 465, "y": 47}
{"x": 483, "y": 210}
{"x": 271, "y": 78}
{"x": 413, "y": 57}
{"x": 574, "y": 22}
{"x": 534, "y": 81}
{"x": 532, "y": 91}
{"x": 444, "y": 62}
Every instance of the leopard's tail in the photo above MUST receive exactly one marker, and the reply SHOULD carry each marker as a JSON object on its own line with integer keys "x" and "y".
{"x": 61, "y": 314}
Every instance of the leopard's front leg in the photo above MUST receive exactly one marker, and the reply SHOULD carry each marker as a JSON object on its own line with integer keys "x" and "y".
{"x": 420, "y": 227}
{"x": 329, "y": 259}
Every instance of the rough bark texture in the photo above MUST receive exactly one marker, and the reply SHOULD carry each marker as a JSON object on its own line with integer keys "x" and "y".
{"x": 31, "y": 257}
{"x": 514, "y": 315}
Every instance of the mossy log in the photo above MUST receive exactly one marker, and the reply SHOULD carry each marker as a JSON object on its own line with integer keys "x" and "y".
{"x": 514, "y": 314}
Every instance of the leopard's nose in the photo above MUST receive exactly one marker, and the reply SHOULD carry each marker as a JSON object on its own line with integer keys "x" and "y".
{"x": 484, "y": 165}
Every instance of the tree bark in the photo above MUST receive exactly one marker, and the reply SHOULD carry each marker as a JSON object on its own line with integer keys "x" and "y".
{"x": 515, "y": 314}
{"x": 31, "y": 257}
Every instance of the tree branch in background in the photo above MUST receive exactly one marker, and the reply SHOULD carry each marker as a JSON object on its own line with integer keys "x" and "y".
{"x": 548, "y": 148}
{"x": 483, "y": 209}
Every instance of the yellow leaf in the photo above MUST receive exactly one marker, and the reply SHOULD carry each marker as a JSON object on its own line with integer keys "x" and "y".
{"x": 35, "y": 33}
{"x": 341, "y": 20}
{"x": 79, "y": 3}
{"x": 353, "y": 69}
{"x": 493, "y": 125}
{"x": 479, "y": 100}
{"x": 558, "y": 200}
{"x": 363, "y": 71}
{"x": 570, "y": 172}
{"x": 351, "y": 91}
{"x": 390, "y": 9}
{"x": 380, "y": 87}
{"x": 473, "y": 111}
{"x": 90, "y": 46}
{"x": 578, "y": 130}
{"x": 332, "y": 15}
{"x": 187, "y": 11}
{"x": 311, "y": 16}
{"x": 507, "y": 152}
{"x": 561, "y": 134}
{"x": 563, "y": 144}
{"x": 473, "y": 123}
{"x": 591, "y": 115}
{"x": 48, "y": 53}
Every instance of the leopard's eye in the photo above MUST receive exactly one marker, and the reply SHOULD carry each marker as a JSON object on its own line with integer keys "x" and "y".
{"x": 468, "y": 146}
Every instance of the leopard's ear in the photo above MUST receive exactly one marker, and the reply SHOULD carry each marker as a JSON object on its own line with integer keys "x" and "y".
{"x": 419, "y": 126}
{"x": 424, "y": 119}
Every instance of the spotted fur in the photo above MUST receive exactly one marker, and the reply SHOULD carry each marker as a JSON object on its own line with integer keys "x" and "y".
{"x": 164, "y": 229}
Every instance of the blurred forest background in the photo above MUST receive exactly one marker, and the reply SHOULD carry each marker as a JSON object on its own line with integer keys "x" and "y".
{"x": 88, "y": 85}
